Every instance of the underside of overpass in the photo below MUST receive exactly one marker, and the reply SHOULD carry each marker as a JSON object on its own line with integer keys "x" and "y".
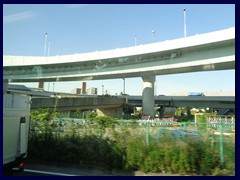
{"x": 206, "y": 52}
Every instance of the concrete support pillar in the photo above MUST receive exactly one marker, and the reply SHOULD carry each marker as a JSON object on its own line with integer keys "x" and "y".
{"x": 148, "y": 95}
{"x": 5, "y": 85}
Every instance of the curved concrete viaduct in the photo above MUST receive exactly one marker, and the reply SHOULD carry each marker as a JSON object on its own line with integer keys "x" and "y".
{"x": 204, "y": 52}
{"x": 192, "y": 101}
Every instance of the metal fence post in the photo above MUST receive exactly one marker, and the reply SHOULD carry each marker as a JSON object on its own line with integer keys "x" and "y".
{"x": 147, "y": 133}
{"x": 185, "y": 129}
{"x": 100, "y": 133}
{"x": 221, "y": 147}
{"x": 59, "y": 127}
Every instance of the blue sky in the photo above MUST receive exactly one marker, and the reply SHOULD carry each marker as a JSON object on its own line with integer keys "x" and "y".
{"x": 84, "y": 28}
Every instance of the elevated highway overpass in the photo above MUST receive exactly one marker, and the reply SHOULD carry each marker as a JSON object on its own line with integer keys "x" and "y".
{"x": 114, "y": 105}
{"x": 204, "y": 52}
{"x": 191, "y": 101}
{"x": 67, "y": 101}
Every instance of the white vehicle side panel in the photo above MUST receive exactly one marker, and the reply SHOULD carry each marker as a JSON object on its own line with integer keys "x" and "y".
{"x": 15, "y": 133}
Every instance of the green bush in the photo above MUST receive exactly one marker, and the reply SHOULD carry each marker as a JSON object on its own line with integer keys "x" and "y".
{"x": 91, "y": 116}
{"x": 121, "y": 150}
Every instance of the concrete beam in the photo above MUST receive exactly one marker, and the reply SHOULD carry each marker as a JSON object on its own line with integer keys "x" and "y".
{"x": 77, "y": 103}
{"x": 5, "y": 85}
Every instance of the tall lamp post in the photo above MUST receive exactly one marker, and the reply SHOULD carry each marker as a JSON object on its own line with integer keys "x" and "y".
{"x": 123, "y": 85}
{"x": 185, "y": 26}
{"x": 135, "y": 40}
{"x": 49, "y": 42}
{"x": 102, "y": 89}
{"x": 48, "y": 85}
{"x": 45, "y": 45}
{"x": 153, "y": 35}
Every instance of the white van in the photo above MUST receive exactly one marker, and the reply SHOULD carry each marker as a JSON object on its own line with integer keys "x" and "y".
{"x": 16, "y": 120}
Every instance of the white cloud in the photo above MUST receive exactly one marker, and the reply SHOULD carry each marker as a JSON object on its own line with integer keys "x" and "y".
{"x": 75, "y": 6}
{"x": 18, "y": 17}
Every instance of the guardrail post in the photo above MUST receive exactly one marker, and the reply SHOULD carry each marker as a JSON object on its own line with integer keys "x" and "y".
{"x": 147, "y": 133}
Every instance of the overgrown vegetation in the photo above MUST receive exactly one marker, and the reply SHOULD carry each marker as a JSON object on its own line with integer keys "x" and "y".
{"x": 105, "y": 143}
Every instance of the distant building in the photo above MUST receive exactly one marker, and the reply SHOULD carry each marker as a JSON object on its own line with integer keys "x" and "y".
{"x": 41, "y": 85}
{"x": 91, "y": 91}
{"x": 76, "y": 91}
{"x": 84, "y": 90}
{"x": 84, "y": 87}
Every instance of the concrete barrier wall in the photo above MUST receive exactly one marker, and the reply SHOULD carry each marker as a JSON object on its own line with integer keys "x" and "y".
{"x": 74, "y": 103}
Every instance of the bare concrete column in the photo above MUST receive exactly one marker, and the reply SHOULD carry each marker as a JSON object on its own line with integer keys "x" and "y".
{"x": 148, "y": 95}
{"x": 5, "y": 85}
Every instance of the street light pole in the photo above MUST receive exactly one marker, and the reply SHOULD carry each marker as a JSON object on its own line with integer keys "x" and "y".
{"x": 102, "y": 89}
{"x": 153, "y": 35}
{"x": 49, "y": 42}
{"x": 135, "y": 39}
{"x": 123, "y": 85}
{"x": 185, "y": 26}
{"x": 45, "y": 45}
